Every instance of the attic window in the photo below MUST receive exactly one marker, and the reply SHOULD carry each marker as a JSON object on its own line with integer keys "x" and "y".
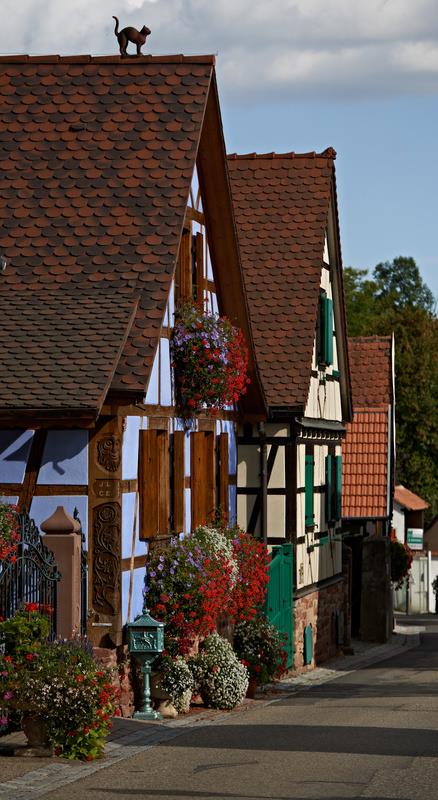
{"x": 325, "y": 330}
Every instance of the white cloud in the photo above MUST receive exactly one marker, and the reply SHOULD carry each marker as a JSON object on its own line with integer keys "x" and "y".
{"x": 302, "y": 47}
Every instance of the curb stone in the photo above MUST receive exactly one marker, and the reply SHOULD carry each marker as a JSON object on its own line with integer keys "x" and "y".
{"x": 40, "y": 782}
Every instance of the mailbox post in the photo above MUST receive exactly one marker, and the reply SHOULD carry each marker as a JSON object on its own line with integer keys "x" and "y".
{"x": 146, "y": 642}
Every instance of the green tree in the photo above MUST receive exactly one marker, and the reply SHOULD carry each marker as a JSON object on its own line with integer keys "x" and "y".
{"x": 396, "y": 300}
{"x": 400, "y": 282}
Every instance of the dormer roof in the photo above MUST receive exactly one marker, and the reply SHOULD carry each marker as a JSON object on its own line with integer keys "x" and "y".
{"x": 282, "y": 203}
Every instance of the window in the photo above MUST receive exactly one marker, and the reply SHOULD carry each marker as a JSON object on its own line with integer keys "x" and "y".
{"x": 333, "y": 488}
{"x": 325, "y": 330}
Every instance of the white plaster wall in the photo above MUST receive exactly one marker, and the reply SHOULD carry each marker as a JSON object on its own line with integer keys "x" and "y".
{"x": 277, "y": 479}
{"x": 14, "y": 452}
{"x": 398, "y": 522}
{"x": 276, "y": 522}
{"x": 248, "y": 465}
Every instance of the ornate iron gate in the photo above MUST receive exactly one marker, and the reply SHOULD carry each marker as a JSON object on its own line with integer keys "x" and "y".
{"x": 32, "y": 578}
{"x": 279, "y": 597}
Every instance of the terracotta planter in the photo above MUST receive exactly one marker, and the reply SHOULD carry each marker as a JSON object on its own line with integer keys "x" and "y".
{"x": 252, "y": 688}
{"x": 36, "y": 732}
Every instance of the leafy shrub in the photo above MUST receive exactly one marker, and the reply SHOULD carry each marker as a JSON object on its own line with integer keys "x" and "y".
{"x": 220, "y": 678}
{"x": 176, "y": 679}
{"x": 260, "y": 647}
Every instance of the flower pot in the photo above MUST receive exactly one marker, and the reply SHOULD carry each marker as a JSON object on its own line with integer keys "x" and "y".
{"x": 252, "y": 687}
{"x": 183, "y": 702}
{"x": 167, "y": 709}
{"x": 37, "y": 734}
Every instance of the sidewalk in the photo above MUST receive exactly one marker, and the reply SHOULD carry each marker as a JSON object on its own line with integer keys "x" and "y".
{"x": 25, "y": 778}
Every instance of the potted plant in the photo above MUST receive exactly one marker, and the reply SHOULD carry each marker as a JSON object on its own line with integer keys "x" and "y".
{"x": 189, "y": 585}
{"x": 210, "y": 359}
{"x": 65, "y": 698}
{"x": 260, "y": 647}
{"x": 220, "y": 678}
{"x": 173, "y": 685}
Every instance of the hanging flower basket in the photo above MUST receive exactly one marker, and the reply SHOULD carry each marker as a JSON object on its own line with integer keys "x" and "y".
{"x": 9, "y": 532}
{"x": 210, "y": 359}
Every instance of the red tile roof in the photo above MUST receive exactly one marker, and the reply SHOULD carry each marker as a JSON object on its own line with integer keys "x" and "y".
{"x": 366, "y": 448}
{"x": 371, "y": 370}
{"x": 56, "y": 338}
{"x": 97, "y": 156}
{"x": 365, "y": 465}
{"x": 281, "y": 204}
{"x": 404, "y": 497}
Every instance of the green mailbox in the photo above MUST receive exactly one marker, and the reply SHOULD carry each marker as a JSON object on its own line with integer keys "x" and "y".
{"x": 146, "y": 642}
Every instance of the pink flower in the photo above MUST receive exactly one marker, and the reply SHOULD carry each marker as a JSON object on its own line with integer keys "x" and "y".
{"x": 8, "y": 695}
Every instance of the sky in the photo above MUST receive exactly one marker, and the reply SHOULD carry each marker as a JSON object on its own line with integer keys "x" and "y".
{"x": 298, "y": 75}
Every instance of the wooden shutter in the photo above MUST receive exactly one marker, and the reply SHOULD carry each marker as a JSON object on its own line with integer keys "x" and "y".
{"x": 223, "y": 476}
{"x": 309, "y": 501}
{"x": 203, "y": 478}
{"x": 338, "y": 485}
{"x": 184, "y": 267}
{"x": 328, "y": 488}
{"x": 178, "y": 480}
{"x": 154, "y": 487}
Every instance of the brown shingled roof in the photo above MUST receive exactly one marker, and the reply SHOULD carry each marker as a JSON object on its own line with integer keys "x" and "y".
{"x": 371, "y": 369}
{"x": 281, "y": 204}
{"x": 96, "y": 158}
{"x": 59, "y": 349}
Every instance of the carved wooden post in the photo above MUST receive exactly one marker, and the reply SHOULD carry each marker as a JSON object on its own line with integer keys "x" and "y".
{"x": 105, "y": 532}
{"x": 62, "y": 537}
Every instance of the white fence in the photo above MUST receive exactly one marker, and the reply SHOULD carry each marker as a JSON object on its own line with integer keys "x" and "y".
{"x": 418, "y": 597}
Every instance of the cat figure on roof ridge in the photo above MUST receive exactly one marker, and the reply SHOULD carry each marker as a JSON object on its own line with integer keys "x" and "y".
{"x": 132, "y": 35}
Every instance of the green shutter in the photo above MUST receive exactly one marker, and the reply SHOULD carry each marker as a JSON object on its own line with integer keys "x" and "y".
{"x": 338, "y": 467}
{"x": 308, "y": 645}
{"x": 325, "y": 329}
{"x": 328, "y": 330}
{"x": 308, "y": 484}
{"x": 328, "y": 489}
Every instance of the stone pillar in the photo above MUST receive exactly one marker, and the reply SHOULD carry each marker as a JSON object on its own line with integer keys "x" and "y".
{"x": 376, "y": 604}
{"x": 63, "y": 538}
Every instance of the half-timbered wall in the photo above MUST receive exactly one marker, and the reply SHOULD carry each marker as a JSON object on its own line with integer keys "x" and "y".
{"x": 199, "y": 464}
{"x": 324, "y": 399}
{"x": 318, "y": 546}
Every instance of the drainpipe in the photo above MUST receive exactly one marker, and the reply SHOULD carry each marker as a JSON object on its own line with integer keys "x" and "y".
{"x": 263, "y": 483}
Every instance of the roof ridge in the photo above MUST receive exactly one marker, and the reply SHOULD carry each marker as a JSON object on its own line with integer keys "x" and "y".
{"x": 114, "y": 59}
{"x": 373, "y": 338}
{"x": 329, "y": 152}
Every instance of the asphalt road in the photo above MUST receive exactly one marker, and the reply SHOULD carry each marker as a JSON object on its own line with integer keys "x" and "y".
{"x": 370, "y": 734}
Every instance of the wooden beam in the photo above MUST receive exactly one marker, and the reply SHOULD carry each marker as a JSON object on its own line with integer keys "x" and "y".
{"x": 32, "y": 470}
{"x": 193, "y": 215}
{"x": 105, "y": 533}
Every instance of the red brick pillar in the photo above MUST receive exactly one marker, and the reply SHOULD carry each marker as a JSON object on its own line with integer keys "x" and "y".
{"x": 63, "y": 538}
